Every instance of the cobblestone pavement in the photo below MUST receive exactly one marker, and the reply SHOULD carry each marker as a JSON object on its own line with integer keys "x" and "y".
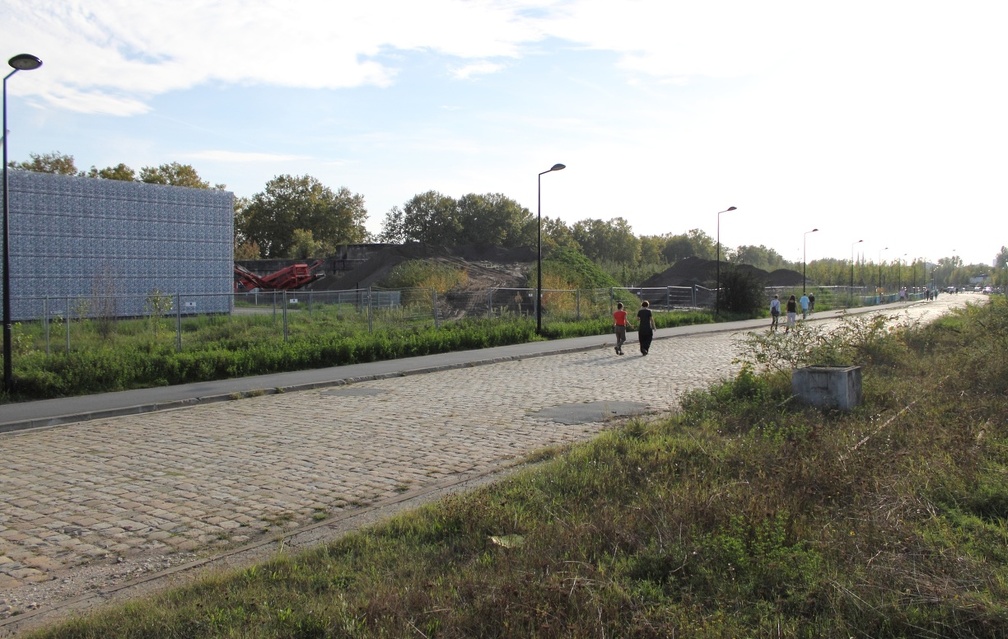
{"x": 119, "y": 498}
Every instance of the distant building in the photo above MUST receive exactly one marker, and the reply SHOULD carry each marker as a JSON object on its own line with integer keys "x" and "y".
{"x": 84, "y": 243}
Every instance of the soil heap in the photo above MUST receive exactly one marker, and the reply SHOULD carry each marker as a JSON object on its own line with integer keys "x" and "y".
{"x": 692, "y": 271}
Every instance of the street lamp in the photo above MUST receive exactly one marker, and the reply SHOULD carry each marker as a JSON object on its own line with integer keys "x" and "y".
{"x": 899, "y": 272}
{"x": 852, "y": 270}
{"x": 555, "y": 167}
{"x": 717, "y": 286}
{"x": 880, "y": 274}
{"x": 20, "y": 62}
{"x": 804, "y": 242}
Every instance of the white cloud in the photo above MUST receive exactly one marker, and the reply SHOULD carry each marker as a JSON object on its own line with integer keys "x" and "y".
{"x": 156, "y": 46}
{"x": 479, "y": 68}
{"x": 220, "y": 155}
{"x": 135, "y": 50}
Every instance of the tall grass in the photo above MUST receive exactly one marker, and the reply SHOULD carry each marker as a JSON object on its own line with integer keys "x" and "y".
{"x": 743, "y": 515}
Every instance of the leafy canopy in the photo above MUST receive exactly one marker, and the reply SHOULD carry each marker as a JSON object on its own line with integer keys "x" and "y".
{"x": 297, "y": 212}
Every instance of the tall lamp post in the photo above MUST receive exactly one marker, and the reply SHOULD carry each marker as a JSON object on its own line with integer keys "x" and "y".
{"x": 852, "y": 271}
{"x": 555, "y": 167}
{"x": 803, "y": 263}
{"x": 20, "y": 62}
{"x": 717, "y": 285}
{"x": 899, "y": 272}
{"x": 880, "y": 274}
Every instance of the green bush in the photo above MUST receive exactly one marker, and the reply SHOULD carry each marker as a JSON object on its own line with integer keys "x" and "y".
{"x": 742, "y": 292}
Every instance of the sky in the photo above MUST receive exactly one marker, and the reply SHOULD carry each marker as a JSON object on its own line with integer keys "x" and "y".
{"x": 881, "y": 121}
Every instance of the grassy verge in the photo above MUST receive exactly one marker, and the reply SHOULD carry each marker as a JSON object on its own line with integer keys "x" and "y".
{"x": 742, "y": 515}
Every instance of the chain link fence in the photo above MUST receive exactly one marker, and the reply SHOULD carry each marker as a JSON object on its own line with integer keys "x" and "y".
{"x": 68, "y": 323}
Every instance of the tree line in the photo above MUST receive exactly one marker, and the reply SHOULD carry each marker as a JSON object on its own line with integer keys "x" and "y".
{"x": 300, "y": 217}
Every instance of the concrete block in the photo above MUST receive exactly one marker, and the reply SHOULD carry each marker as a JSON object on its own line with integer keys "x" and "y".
{"x": 828, "y": 386}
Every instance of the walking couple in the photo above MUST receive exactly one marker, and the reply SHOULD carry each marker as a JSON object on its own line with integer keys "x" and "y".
{"x": 647, "y": 327}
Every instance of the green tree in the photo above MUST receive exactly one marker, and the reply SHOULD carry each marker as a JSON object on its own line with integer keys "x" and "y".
{"x": 304, "y": 244}
{"x": 119, "y": 172}
{"x": 290, "y": 203}
{"x": 758, "y": 256}
{"x": 694, "y": 243}
{"x": 247, "y": 251}
{"x": 555, "y": 235}
{"x": 651, "y": 249}
{"x": 743, "y": 291}
{"x": 55, "y": 162}
{"x": 1001, "y": 259}
{"x": 430, "y": 218}
{"x": 613, "y": 240}
{"x": 175, "y": 174}
{"x": 492, "y": 219}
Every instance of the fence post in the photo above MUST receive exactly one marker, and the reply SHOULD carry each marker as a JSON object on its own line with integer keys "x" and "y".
{"x": 178, "y": 322}
{"x": 283, "y": 315}
{"x": 66, "y": 313}
{"x": 370, "y": 319}
{"x": 437, "y": 323}
{"x": 274, "y": 306}
{"x": 45, "y": 322}
{"x": 490, "y": 295}
{"x": 668, "y": 297}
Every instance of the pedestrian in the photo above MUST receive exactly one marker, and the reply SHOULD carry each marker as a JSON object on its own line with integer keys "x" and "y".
{"x": 645, "y": 327}
{"x": 811, "y": 303}
{"x": 792, "y": 314}
{"x": 620, "y": 325}
{"x": 774, "y": 313}
{"x": 804, "y": 303}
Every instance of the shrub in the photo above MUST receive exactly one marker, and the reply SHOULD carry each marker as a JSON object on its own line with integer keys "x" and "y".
{"x": 743, "y": 292}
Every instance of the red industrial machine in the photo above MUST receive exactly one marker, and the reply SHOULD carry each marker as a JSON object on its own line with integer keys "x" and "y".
{"x": 287, "y": 278}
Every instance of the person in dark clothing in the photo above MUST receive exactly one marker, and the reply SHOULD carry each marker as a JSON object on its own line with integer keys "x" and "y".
{"x": 645, "y": 327}
{"x": 792, "y": 314}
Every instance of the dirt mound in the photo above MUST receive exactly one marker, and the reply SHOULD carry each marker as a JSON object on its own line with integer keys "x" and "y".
{"x": 784, "y": 277}
{"x": 496, "y": 267}
{"x": 692, "y": 271}
{"x": 495, "y": 264}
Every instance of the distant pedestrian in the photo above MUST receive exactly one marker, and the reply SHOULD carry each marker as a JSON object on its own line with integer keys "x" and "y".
{"x": 811, "y": 303}
{"x": 792, "y": 314}
{"x": 645, "y": 327}
{"x": 804, "y": 303}
{"x": 774, "y": 313}
{"x": 620, "y": 325}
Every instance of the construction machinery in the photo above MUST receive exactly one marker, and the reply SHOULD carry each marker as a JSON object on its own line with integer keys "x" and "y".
{"x": 288, "y": 278}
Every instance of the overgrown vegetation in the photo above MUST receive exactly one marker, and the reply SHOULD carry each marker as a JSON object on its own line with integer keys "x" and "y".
{"x": 744, "y": 515}
{"x": 425, "y": 274}
{"x": 743, "y": 292}
{"x": 571, "y": 266}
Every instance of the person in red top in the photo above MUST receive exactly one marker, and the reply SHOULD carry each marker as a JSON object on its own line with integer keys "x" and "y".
{"x": 620, "y": 324}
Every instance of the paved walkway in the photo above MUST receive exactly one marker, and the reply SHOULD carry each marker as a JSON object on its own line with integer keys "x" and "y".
{"x": 106, "y": 494}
